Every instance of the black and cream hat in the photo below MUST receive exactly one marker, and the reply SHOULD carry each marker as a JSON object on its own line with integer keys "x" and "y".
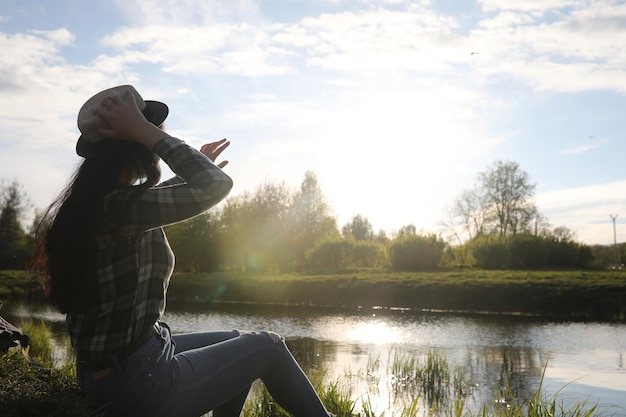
{"x": 91, "y": 143}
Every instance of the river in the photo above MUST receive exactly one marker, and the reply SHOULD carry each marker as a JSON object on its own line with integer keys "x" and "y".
{"x": 579, "y": 361}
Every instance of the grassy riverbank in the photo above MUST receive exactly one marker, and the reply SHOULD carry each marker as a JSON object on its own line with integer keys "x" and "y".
{"x": 574, "y": 295}
{"x": 577, "y": 295}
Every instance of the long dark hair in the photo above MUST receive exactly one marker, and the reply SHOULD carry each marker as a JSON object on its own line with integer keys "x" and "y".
{"x": 65, "y": 250}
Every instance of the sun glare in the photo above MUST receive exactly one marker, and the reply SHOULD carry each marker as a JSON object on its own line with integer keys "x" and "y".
{"x": 374, "y": 332}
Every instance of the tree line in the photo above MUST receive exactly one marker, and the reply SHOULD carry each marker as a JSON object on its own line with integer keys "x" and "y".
{"x": 276, "y": 229}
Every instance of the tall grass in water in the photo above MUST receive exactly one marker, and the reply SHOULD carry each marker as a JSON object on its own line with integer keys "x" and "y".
{"x": 423, "y": 386}
{"x": 428, "y": 378}
{"x": 42, "y": 349}
{"x": 541, "y": 405}
{"x": 336, "y": 396}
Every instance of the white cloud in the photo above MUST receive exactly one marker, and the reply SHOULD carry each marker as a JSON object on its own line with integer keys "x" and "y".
{"x": 585, "y": 147}
{"x": 586, "y": 210}
{"x": 575, "y": 50}
{"x": 527, "y": 5}
{"x": 378, "y": 41}
{"x": 606, "y": 194}
{"x": 187, "y": 12}
{"x": 238, "y": 49}
{"x": 61, "y": 37}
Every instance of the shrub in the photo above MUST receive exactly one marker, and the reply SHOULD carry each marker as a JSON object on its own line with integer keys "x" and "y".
{"x": 563, "y": 253}
{"x": 528, "y": 251}
{"x": 490, "y": 252}
{"x": 330, "y": 253}
{"x": 585, "y": 256}
{"x": 367, "y": 253}
{"x": 416, "y": 252}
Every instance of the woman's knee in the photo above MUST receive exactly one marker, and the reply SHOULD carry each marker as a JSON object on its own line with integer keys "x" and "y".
{"x": 275, "y": 336}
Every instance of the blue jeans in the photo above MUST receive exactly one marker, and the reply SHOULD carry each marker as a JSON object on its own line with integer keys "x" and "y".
{"x": 191, "y": 374}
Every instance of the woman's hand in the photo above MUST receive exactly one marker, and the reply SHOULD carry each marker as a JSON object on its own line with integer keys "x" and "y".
{"x": 214, "y": 149}
{"x": 126, "y": 122}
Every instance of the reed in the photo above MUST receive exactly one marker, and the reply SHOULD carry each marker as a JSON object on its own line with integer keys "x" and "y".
{"x": 40, "y": 337}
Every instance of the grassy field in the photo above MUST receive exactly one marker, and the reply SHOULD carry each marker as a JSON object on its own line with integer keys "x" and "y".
{"x": 575, "y": 294}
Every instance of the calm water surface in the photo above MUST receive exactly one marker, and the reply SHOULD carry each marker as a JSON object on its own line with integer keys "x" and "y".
{"x": 582, "y": 361}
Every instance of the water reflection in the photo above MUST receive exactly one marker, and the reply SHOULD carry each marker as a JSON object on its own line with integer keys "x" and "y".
{"x": 377, "y": 331}
{"x": 497, "y": 356}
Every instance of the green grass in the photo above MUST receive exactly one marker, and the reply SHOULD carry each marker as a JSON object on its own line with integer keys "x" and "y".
{"x": 26, "y": 390}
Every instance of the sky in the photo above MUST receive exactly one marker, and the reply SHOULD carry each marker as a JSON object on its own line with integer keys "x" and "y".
{"x": 396, "y": 106}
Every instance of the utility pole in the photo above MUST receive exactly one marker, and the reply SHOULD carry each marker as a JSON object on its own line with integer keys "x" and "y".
{"x": 614, "y": 217}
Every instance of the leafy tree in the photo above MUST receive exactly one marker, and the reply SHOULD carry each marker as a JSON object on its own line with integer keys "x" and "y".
{"x": 603, "y": 256}
{"x": 254, "y": 228}
{"x": 585, "y": 256}
{"x": 381, "y": 237}
{"x": 197, "y": 243}
{"x": 408, "y": 230}
{"x": 13, "y": 242}
{"x": 564, "y": 252}
{"x": 359, "y": 228}
{"x": 309, "y": 218}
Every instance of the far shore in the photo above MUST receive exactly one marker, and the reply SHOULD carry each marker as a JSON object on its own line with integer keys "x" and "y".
{"x": 598, "y": 295}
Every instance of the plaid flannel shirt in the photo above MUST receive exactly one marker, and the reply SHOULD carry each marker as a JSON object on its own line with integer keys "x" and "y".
{"x": 134, "y": 261}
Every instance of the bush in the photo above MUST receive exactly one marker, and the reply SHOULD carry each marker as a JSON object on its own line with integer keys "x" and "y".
{"x": 528, "y": 251}
{"x": 490, "y": 252}
{"x": 585, "y": 256}
{"x": 416, "y": 252}
{"x": 329, "y": 253}
{"x": 367, "y": 253}
{"x": 564, "y": 254}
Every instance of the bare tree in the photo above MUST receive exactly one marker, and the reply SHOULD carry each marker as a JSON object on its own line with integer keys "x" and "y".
{"x": 501, "y": 202}
{"x": 472, "y": 210}
{"x": 563, "y": 234}
{"x": 507, "y": 194}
